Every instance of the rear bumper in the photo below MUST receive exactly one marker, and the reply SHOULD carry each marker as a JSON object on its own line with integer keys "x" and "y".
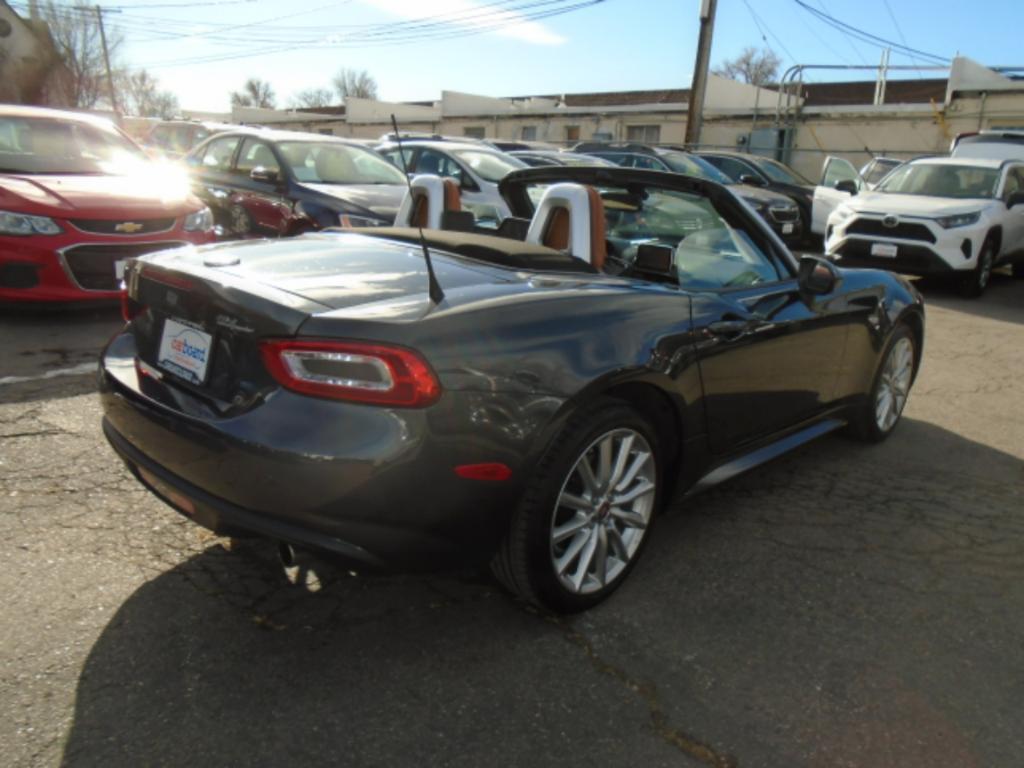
{"x": 374, "y": 485}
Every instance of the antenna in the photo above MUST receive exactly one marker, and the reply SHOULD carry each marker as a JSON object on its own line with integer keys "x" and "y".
{"x": 434, "y": 287}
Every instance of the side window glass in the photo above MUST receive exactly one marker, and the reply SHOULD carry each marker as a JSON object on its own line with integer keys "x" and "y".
{"x": 219, "y": 152}
{"x": 1014, "y": 182}
{"x": 438, "y": 164}
{"x": 837, "y": 170}
{"x": 256, "y": 154}
{"x": 646, "y": 163}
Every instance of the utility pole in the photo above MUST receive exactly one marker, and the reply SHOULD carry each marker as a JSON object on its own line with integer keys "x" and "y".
{"x": 106, "y": 59}
{"x": 695, "y": 110}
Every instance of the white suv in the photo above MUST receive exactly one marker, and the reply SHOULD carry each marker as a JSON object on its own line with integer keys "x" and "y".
{"x": 959, "y": 216}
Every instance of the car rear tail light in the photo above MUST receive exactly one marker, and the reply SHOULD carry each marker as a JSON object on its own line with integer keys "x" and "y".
{"x": 353, "y": 371}
{"x": 130, "y": 308}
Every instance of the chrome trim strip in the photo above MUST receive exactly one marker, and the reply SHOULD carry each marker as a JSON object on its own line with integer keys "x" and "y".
{"x": 174, "y": 223}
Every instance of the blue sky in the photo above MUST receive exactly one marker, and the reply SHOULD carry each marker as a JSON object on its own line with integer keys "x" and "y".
{"x": 613, "y": 45}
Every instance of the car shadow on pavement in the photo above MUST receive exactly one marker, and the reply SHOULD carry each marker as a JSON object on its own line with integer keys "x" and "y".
{"x": 847, "y": 604}
{"x": 1003, "y": 299}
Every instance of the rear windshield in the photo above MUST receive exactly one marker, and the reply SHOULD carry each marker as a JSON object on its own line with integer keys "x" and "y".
{"x": 47, "y": 145}
{"x": 935, "y": 180}
{"x": 330, "y": 163}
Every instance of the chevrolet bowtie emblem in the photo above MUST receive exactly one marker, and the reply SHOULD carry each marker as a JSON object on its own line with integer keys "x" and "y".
{"x": 128, "y": 227}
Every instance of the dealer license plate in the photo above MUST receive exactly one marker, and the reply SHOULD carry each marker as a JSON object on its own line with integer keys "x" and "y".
{"x": 885, "y": 250}
{"x": 787, "y": 229}
{"x": 185, "y": 351}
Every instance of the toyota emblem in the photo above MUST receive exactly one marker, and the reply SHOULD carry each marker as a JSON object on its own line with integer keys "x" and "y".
{"x": 890, "y": 221}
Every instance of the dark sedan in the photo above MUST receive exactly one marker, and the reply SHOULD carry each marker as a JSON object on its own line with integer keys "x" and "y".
{"x": 261, "y": 183}
{"x": 758, "y": 171}
{"x": 515, "y": 404}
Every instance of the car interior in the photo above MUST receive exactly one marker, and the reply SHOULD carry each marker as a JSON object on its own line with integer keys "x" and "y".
{"x": 655, "y": 234}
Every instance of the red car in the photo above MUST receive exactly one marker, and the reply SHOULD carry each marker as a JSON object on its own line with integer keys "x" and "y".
{"x": 78, "y": 198}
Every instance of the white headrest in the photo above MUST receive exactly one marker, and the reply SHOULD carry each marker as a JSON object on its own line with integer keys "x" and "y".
{"x": 575, "y": 199}
{"x": 429, "y": 186}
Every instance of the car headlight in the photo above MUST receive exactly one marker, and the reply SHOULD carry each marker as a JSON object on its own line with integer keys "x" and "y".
{"x": 22, "y": 224}
{"x": 958, "y": 220}
{"x": 200, "y": 221}
{"x": 348, "y": 220}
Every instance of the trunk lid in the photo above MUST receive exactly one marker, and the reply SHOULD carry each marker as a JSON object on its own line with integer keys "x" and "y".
{"x": 208, "y": 308}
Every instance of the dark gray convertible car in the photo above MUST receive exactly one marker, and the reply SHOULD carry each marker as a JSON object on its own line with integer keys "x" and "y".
{"x": 528, "y": 398}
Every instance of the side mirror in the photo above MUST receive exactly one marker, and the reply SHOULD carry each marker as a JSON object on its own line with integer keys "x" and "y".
{"x": 1017, "y": 198}
{"x": 849, "y": 186}
{"x": 752, "y": 180}
{"x": 817, "y": 276}
{"x": 259, "y": 173}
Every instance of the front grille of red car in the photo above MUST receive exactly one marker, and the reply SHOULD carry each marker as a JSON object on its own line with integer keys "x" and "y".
{"x": 92, "y": 266}
{"x": 126, "y": 227}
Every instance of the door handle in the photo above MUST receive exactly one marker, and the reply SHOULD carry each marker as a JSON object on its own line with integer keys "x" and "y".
{"x": 729, "y": 328}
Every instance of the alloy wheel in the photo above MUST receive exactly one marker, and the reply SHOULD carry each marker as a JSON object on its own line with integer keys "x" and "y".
{"x": 894, "y": 384}
{"x": 985, "y": 267}
{"x": 603, "y": 511}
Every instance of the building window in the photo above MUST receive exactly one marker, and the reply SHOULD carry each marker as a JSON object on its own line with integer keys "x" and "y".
{"x": 529, "y": 133}
{"x": 643, "y": 134}
{"x": 572, "y": 133}
{"x": 474, "y": 132}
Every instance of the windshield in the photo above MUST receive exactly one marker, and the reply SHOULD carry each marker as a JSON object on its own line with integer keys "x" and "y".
{"x": 489, "y": 166}
{"x": 935, "y": 180}
{"x": 706, "y": 248}
{"x": 45, "y": 145}
{"x": 776, "y": 171}
{"x": 694, "y": 166}
{"x": 331, "y": 163}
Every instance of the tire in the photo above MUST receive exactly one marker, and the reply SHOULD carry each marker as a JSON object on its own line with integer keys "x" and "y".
{"x": 974, "y": 283}
{"x": 560, "y": 521}
{"x": 893, "y": 380}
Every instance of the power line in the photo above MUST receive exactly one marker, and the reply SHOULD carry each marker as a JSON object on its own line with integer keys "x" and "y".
{"x": 847, "y": 37}
{"x": 868, "y": 37}
{"x": 899, "y": 32}
{"x": 758, "y": 23}
{"x": 357, "y": 42}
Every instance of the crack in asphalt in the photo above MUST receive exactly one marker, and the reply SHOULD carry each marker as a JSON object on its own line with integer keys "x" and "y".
{"x": 648, "y": 694}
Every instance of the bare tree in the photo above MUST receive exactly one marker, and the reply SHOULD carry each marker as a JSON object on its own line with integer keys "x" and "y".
{"x": 751, "y": 66}
{"x": 140, "y": 95}
{"x": 76, "y": 36}
{"x": 312, "y": 98}
{"x": 255, "y": 93}
{"x": 355, "y": 83}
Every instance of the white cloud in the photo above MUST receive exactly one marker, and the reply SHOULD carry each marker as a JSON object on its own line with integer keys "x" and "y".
{"x": 470, "y": 14}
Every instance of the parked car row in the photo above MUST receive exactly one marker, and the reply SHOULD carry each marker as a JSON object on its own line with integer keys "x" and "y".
{"x": 78, "y": 197}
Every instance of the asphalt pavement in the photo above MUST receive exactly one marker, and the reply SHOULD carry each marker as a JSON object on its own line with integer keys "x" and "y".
{"x": 847, "y": 605}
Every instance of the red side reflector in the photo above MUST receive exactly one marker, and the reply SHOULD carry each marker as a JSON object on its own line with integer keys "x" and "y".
{"x": 182, "y": 502}
{"x": 492, "y": 471}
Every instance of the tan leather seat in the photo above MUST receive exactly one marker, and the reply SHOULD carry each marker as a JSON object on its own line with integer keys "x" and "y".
{"x": 428, "y": 197}
{"x": 570, "y": 217}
